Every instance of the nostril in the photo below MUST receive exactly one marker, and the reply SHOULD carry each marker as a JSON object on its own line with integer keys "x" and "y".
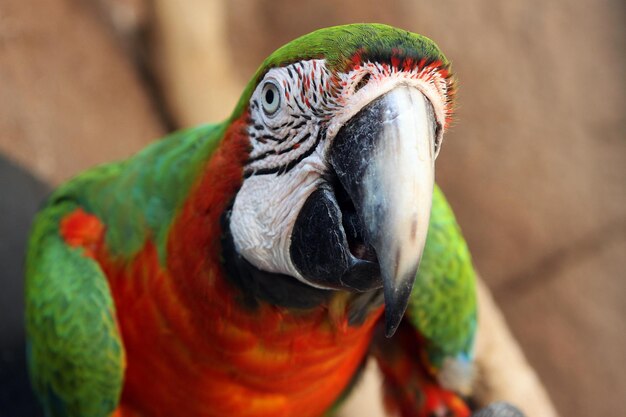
{"x": 438, "y": 137}
{"x": 362, "y": 82}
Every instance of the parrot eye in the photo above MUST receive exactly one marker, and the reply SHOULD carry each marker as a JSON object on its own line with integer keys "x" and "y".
{"x": 270, "y": 97}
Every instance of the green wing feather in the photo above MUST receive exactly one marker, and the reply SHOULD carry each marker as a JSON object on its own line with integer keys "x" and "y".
{"x": 443, "y": 303}
{"x": 75, "y": 354}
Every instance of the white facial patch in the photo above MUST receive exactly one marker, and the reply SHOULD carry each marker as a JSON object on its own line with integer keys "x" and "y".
{"x": 265, "y": 210}
{"x": 285, "y": 165}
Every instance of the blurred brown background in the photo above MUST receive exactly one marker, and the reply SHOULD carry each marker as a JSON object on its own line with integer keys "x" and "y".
{"x": 535, "y": 166}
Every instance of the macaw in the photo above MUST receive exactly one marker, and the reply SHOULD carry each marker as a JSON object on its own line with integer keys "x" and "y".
{"x": 250, "y": 267}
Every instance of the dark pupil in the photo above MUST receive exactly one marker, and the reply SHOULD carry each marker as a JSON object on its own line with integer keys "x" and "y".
{"x": 269, "y": 96}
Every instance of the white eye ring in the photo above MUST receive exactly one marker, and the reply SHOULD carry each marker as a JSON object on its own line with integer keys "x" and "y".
{"x": 270, "y": 97}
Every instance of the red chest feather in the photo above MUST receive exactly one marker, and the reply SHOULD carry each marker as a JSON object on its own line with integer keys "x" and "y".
{"x": 226, "y": 360}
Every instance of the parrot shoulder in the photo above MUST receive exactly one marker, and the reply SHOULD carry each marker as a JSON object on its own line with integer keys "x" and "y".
{"x": 75, "y": 353}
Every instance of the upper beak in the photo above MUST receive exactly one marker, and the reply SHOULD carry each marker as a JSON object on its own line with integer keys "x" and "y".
{"x": 384, "y": 159}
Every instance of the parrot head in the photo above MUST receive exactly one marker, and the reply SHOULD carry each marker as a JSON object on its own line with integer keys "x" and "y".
{"x": 344, "y": 124}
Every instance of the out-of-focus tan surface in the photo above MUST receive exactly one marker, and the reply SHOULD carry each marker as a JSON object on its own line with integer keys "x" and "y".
{"x": 502, "y": 370}
{"x": 194, "y": 57}
{"x": 69, "y": 97}
{"x": 534, "y": 167}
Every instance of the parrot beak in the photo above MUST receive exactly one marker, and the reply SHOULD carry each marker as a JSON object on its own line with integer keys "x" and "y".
{"x": 383, "y": 158}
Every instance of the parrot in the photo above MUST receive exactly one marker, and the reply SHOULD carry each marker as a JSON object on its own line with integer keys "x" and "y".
{"x": 252, "y": 267}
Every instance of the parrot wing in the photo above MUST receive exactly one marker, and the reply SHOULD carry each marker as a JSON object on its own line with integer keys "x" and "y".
{"x": 442, "y": 307}
{"x": 75, "y": 353}
{"x": 429, "y": 359}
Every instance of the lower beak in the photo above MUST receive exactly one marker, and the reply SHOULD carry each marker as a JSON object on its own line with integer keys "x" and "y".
{"x": 384, "y": 159}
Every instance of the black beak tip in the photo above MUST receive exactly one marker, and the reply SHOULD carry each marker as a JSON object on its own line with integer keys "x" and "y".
{"x": 391, "y": 324}
{"x": 395, "y": 306}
